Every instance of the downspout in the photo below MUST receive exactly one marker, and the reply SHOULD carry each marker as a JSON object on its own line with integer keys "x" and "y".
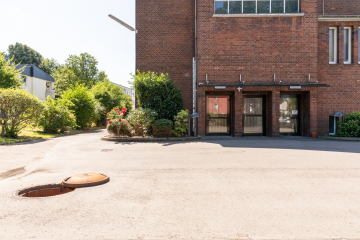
{"x": 196, "y": 73}
{"x": 323, "y": 7}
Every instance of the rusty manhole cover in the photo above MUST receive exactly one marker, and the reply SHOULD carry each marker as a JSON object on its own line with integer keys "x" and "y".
{"x": 68, "y": 185}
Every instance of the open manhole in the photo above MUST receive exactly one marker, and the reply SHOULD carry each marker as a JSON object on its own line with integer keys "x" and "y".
{"x": 68, "y": 185}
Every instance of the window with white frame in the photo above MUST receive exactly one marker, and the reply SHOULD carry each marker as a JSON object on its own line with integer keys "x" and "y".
{"x": 333, "y": 45}
{"x": 347, "y": 45}
{"x": 256, "y": 6}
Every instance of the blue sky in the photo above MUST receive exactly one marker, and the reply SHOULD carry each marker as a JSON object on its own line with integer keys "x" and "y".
{"x": 57, "y": 29}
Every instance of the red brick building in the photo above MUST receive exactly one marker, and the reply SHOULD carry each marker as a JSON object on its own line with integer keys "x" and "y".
{"x": 279, "y": 67}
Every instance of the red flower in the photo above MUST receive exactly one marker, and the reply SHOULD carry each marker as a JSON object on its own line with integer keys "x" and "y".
{"x": 119, "y": 113}
{"x": 117, "y": 109}
{"x": 119, "y": 120}
{"x": 107, "y": 115}
{"x": 109, "y": 122}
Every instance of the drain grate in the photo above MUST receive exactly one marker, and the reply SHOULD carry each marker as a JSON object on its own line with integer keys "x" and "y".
{"x": 106, "y": 150}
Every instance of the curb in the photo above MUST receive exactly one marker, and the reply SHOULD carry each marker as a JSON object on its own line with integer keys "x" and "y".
{"x": 169, "y": 139}
{"x": 339, "y": 138}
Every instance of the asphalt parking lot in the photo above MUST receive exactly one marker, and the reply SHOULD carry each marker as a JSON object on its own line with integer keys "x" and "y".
{"x": 217, "y": 188}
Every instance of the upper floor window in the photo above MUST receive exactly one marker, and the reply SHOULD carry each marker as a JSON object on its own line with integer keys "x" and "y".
{"x": 333, "y": 45}
{"x": 347, "y": 45}
{"x": 24, "y": 80}
{"x": 256, "y": 6}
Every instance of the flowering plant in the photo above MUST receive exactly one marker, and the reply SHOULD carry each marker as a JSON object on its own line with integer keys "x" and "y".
{"x": 117, "y": 124}
{"x": 116, "y": 115}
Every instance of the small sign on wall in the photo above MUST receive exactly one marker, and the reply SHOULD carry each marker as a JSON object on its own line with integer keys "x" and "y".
{"x": 295, "y": 112}
{"x": 295, "y": 87}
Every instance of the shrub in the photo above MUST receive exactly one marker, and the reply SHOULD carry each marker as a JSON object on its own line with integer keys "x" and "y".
{"x": 142, "y": 119}
{"x": 350, "y": 127}
{"x": 162, "y": 128}
{"x": 115, "y": 114}
{"x": 18, "y": 108}
{"x": 181, "y": 123}
{"x": 57, "y": 116}
{"x": 119, "y": 128}
{"x": 99, "y": 114}
{"x": 157, "y": 92}
{"x": 83, "y": 104}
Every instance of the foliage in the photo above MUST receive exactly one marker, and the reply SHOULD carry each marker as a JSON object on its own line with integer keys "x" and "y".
{"x": 350, "y": 127}
{"x": 9, "y": 76}
{"x": 156, "y": 91}
{"x": 83, "y": 104}
{"x": 115, "y": 114}
{"x": 78, "y": 70}
{"x": 49, "y": 65}
{"x": 162, "y": 128}
{"x": 121, "y": 127}
{"x": 111, "y": 95}
{"x": 18, "y": 108}
{"x": 142, "y": 119}
{"x": 99, "y": 115}
{"x": 181, "y": 123}
{"x": 57, "y": 116}
{"x": 23, "y": 54}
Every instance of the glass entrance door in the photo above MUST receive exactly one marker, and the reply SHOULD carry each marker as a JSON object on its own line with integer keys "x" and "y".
{"x": 289, "y": 115}
{"x": 218, "y": 115}
{"x": 253, "y": 115}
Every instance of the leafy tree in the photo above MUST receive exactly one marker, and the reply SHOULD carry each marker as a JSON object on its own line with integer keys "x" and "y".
{"x": 78, "y": 70}
{"x": 18, "y": 108}
{"x": 9, "y": 76}
{"x": 157, "y": 92}
{"x": 111, "y": 95}
{"x": 23, "y": 54}
{"x": 83, "y": 104}
{"x": 56, "y": 115}
{"x": 49, "y": 65}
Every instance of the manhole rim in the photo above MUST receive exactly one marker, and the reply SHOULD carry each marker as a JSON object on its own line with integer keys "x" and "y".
{"x": 39, "y": 187}
{"x": 82, "y": 185}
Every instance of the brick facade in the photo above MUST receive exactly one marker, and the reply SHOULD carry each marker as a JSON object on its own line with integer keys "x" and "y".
{"x": 257, "y": 48}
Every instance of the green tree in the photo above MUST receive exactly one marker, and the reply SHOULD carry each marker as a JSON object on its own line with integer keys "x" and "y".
{"x": 18, "y": 109}
{"x": 23, "y": 54}
{"x": 158, "y": 92}
{"x": 9, "y": 76}
{"x": 83, "y": 104}
{"x": 49, "y": 65}
{"x": 78, "y": 70}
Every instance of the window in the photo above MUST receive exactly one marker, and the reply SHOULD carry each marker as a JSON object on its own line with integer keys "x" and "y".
{"x": 333, "y": 45}
{"x": 48, "y": 85}
{"x": 216, "y": 108}
{"x": 347, "y": 45}
{"x": 256, "y": 6}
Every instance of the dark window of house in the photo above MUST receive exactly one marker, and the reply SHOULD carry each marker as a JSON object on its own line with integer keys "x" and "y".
{"x": 263, "y": 6}
{"x": 291, "y": 6}
{"x": 235, "y": 7}
{"x": 277, "y": 6}
{"x": 249, "y": 6}
{"x": 221, "y": 7}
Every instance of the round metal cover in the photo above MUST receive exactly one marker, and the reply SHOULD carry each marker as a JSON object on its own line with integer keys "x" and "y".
{"x": 85, "y": 180}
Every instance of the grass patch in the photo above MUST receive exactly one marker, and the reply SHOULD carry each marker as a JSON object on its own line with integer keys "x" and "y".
{"x": 33, "y": 133}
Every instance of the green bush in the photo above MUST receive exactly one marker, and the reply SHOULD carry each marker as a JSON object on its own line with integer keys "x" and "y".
{"x": 99, "y": 114}
{"x": 181, "y": 123}
{"x": 18, "y": 109}
{"x": 142, "y": 119}
{"x": 119, "y": 128}
{"x": 9, "y": 76}
{"x": 350, "y": 127}
{"x": 157, "y": 92}
{"x": 56, "y": 116}
{"x": 83, "y": 104}
{"x": 162, "y": 128}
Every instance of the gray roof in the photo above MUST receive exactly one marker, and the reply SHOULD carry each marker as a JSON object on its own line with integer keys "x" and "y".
{"x": 33, "y": 71}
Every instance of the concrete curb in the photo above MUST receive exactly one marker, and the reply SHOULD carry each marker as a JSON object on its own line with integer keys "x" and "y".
{"x": 339, "y": 138}
{"x": 169, "y": 139}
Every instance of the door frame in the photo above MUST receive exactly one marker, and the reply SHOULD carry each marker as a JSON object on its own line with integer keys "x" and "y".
{"x": 299, "y": 103}
{"x": 229, "y": 95}
{"x": 263, "y": 96}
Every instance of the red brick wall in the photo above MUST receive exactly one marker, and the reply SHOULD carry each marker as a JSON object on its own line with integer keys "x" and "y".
{"x": 165, "y": 40}
{"x": 344, "y": 79}
{"x": 339, "y": 7}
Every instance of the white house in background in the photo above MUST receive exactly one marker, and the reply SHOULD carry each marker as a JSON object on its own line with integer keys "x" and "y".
{"x": 129, "y": 92}
{"x": 37, "y": 82}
